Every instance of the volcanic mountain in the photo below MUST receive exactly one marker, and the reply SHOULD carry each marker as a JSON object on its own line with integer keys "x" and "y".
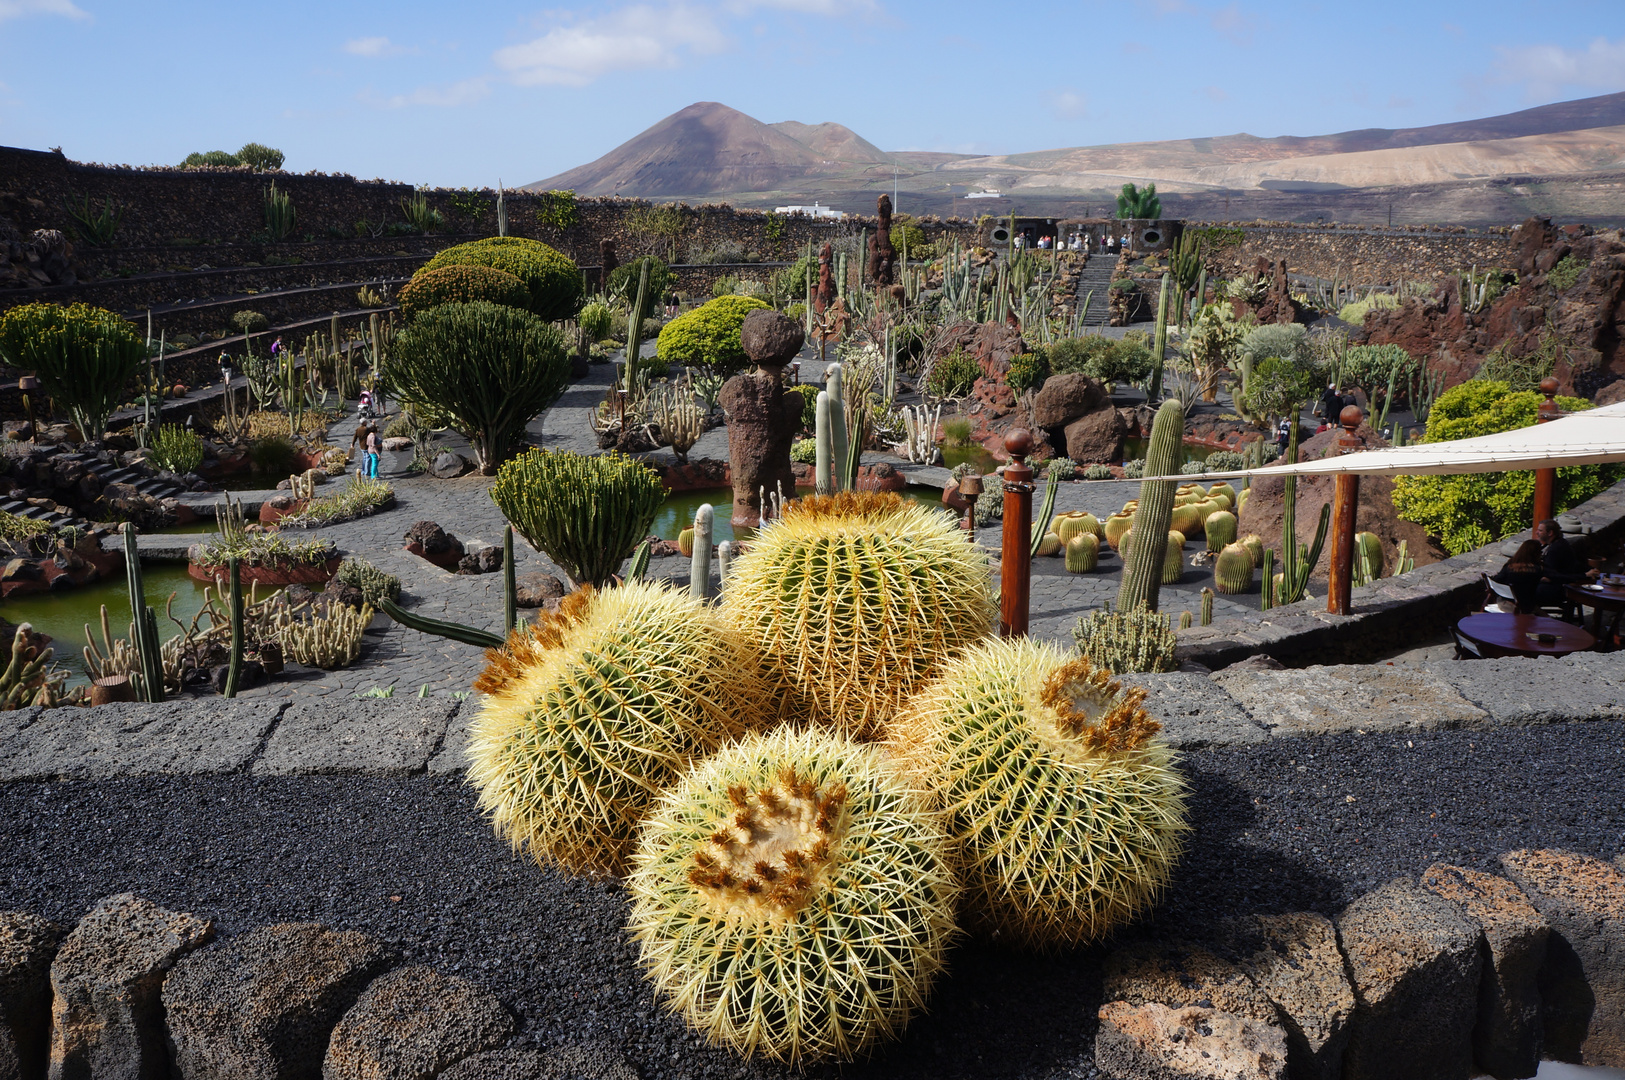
{"x": 1470, "y": 169}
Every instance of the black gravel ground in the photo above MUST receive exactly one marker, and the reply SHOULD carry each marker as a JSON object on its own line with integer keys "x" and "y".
{"x": 411, "y": 861}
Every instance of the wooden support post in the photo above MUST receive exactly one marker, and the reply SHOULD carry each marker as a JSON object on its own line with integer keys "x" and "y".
{"x": 1016, "y": 561}
{"x": 1545, "y": 479}
{"x": 1345, "y": 505}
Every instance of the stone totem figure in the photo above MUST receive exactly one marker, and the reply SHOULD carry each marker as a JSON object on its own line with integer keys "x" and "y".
{"x": 881, "y": 254}
{"x": 763, "y": 420}
{"x": 826, "y": 280}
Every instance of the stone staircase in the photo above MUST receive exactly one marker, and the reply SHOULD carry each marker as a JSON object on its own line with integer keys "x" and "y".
{"x": 106, "y": 472}
{"x": 1096, "y": 278}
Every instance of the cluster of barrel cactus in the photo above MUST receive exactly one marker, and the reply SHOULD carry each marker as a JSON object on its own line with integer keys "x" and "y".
{"x": 801, "y": 781}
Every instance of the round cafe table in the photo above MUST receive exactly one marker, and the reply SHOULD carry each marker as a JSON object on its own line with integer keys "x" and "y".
{"x": 1600, "y": 598}
{"x": 1499, "y": 634}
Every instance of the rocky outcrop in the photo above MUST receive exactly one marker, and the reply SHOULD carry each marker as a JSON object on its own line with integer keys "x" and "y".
{"x": 28, "y": 943}
{"x": 1414, "y": 962}
{"x": 262, "y": 1006}
{"x": 1294, "y": 961}
{"x": 1583, "y": 981}
{"x": 1507, "y": 1036}
{"x": 1587, "y": 317}
{"x": 1264, "y": 512}
{"x": 414, "y": 1022}
{"x": 107, "y": 1019}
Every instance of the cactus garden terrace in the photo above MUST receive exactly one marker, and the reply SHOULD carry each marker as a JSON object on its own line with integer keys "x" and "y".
{"x": 1353, "y": 795}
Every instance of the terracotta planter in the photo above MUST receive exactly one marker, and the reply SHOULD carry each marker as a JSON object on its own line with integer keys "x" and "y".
{"x": 274, "y": 575}
{"x": 868, "y": 481}
{"x": 111, "y": 688}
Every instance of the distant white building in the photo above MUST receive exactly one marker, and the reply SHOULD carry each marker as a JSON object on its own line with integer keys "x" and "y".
{"x": 984, "y": 195}
{"x": 822, "y": 213}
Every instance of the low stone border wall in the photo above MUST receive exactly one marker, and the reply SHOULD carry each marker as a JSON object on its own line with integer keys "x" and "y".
{"x": 1430, "y": 597}
{"x": 137, "y": 990}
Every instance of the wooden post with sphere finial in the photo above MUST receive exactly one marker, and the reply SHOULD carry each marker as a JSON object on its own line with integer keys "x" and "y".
{"x": 1015, "y": 560}
{"x": 1345, "y": 506}
{"x": 1545, "y": 479}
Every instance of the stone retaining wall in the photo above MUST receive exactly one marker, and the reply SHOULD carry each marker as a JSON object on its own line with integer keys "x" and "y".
{"x": 1362, "y": 255}
{"x": 1405, "y": 606}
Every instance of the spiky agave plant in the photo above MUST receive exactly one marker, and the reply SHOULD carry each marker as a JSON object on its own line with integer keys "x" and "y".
{"x": 1068, "y": 813}
{"x": 854, "y": 600}
{"x": 793, "y": 897}
{"x": 592, "y": 711}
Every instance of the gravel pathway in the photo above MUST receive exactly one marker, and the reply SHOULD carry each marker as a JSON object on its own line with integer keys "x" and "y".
{"x": 412, "y": 861}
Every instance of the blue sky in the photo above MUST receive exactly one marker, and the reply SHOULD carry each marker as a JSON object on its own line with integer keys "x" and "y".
{"x": 441, "y": 93}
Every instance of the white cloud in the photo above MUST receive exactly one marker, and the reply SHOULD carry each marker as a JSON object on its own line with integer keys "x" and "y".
{"x": 462, "y": 93}
{"x": 1545, "y": 70}
{"x": 632, "y": 39}
{"x": 375, "y": 46}
{"x": 1230, "y": 21}
{"x": 16, "y": 9}
{"x": 808, "y": 7}
{"x": 1067, "y": 104}
{"x": 1215, "y": 93}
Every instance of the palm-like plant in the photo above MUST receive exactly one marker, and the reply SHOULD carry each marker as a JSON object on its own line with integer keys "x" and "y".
{"x": 1134, "y": 203}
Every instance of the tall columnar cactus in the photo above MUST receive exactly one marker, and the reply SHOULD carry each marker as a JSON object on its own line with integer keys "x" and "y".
{"x": 1368, "y": 555}
{"x": 854, "y": 600}
{"x": 1068, "y": 813}
{"x": 839, "y": 450}
{"x": 144, "y": 625}
{"x": 699, "y": 566}
{"x": 1159, "y": 343}
{"x": 1082, "y": 553}
{"x": 793, "y": 897}
{"x": 1046, "y": 511}
{"x": 585, "y": 513}
{"x": 234, "y": 667}
{"x": 510, "y": 586}
{"x": 1207, "y": 606}
{"x": 1266, "y": 598}
{"x": 1233, "y": 570}
{"x": 592, "y": 711}
{"x": 725, "y": 558}
{"x": 824, "y": 454}
{"x": 1220, "y": 530}
{"x": 1142, "y": 577}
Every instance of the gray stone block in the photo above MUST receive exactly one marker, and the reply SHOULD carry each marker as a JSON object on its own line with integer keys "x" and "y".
{"x": 1195, "y": 712}
{"x": 107, "y": 1019}
{"x": 414, "y": 1022}
{"x": 263, "y": 1006}
{"x": 203, "y": 735}
{"x": 1415, "y": 965}
{"x": 28, "y": 943}
{"x": 1507, "y": 1037}
{"x": 1294, "y": 961}
{"x": 1155, "y": 1042}
{"x": 385, "y": 736}
{"x": 1349, "y": 697}
{"x": 1583, "y": 981}
{"x": 451, "y": 757}
{"x": 1520, "y": 690}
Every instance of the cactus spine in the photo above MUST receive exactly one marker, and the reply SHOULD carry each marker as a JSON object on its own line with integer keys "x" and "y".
{"x": 1082, "y": 553}
{"x": 1233, "y": 570}
{"x": 234, "y": 669}
{"x": 145, "y": 625}
{"x": 1142, "y": 577}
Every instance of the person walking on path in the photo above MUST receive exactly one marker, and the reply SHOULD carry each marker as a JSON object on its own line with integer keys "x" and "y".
{"x": 374, "y": 447}
{"x": 358, "y": 441}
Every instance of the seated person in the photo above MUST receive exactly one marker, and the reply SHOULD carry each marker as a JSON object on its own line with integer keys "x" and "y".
{"x": 1559, "y": 565}
{"x": 1522, "y": 573}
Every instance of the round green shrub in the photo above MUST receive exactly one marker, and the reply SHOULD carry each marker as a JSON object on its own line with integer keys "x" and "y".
{"x": 809, "y": 404}
{"x": 804, "y": 451}
{"x": 595, "y": 319}
{"x": 624, "y": 279}
{"x": 709, "y": 335}
{"x": 1225, "y": 461}
{"x": 273, "y": 455}
{"x": 554, "y": 281}
{"x": 1469, "y": 511}
{"x": 954, "y": 375}
{"x": 1027, "y": 371}
{"x": 484, "y": 369}
{"x": 84, "y": 356}
{"x": 462, "y": 285}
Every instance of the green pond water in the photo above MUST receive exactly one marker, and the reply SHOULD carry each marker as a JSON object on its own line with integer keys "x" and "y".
{"x": 64, "y": 615}
{"x": 1136, "y": 448}
{"x": 677, "y": 512}
{"x": 955, "y": 456}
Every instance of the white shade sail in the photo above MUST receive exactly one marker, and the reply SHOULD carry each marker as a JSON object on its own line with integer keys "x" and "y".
{"x": 1592, "y": 437}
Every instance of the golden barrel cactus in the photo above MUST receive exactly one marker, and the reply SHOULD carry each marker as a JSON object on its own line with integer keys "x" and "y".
{"x": 591, "y": 712}
{"x": 1068, "y": 812}
{"x": 793, "y": 897}
{"x": 854, "y": 600}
